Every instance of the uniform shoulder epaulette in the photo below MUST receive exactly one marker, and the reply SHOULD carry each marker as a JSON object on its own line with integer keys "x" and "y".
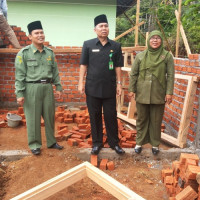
{"x": 25, "y": 48}
{"x": 48, "y": 48}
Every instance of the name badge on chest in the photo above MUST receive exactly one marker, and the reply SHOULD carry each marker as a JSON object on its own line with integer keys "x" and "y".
{"x": 95, "y": 50}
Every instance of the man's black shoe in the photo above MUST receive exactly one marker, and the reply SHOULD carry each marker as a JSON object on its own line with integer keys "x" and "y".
{"x": 96, "y": 150}
{"x": 138, "y": 150}
{"x": 35, "y": 151}
{"x": 118, "y": 149}
{"x": 56, "y": 146}
{"x": 155, "y": 151}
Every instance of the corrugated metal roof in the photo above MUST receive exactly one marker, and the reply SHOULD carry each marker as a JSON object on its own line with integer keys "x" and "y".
{"x": 123, "y": 5}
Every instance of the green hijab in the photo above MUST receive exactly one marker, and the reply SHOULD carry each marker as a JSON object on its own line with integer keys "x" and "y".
{"x": 154, "y": 59}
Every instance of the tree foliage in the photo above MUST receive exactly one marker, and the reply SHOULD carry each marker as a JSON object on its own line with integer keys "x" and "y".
{"x": 152, "y": 11}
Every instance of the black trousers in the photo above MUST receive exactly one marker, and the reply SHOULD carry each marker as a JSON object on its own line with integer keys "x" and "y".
{"x": 95, "y": 106}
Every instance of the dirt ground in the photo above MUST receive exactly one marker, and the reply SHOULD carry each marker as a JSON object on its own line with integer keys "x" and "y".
{"x": 16, "y": 177}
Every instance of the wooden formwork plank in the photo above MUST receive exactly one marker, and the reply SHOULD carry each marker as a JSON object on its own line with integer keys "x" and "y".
{"x": 54, "y": 185}
{"x": 131, "y": 108}
{"x": 73, "y": 175}
{"x": 185, "y": 41}
{"x": 110, "y": 184}
{"x": 128, "y": 31}
{"x": 137, "y": 21}
{"x": 187, "y": 112}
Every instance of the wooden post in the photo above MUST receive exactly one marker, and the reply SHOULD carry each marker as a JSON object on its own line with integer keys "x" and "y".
{"x": 128, "y": 31}
{"x": 197, "y": 140}
{"x": 137, "y": 22}
{"x": 178, "y": 28}
{"x": 147, "y": 35}
{"x": 183, "y": 35}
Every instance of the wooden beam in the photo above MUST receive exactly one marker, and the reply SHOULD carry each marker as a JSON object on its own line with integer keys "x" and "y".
{"x": 178, "y": 28}
{"x": 185, "y": 41}
{"x": 131, "y": 108}
{"x": 137, "y": 22}
{"x": 128, "y": 31}
{"x": 54, "y": 185}
{"x": 133, "y": 24}
{"x": 111, "y": 185}
{"x": 126, "y": 119}
{"x": 169, "y": 139}
{"x": 187, "y": 112}
{"x": 73, "y": 175}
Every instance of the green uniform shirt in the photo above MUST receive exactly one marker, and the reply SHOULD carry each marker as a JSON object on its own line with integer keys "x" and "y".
{"x": 149, "y": 90}
{"x": 33, "y": 65}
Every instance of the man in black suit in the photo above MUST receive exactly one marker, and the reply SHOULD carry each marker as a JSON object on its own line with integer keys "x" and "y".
{"x": 102, "y": 60}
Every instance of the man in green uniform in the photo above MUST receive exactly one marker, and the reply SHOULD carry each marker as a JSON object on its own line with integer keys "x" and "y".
{"x": 36, "y": 71}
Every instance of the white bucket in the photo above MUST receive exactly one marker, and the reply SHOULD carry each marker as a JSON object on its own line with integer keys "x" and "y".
{"x": 13, "y": 120}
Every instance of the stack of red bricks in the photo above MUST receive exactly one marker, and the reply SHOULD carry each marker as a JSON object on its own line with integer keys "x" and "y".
{"x": 80, "y": 134}
{"x": 181, "y": 181}
{"x": 104, "y": 164}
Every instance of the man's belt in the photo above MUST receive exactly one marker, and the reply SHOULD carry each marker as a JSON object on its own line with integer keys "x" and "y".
{"x": 43, "y": 81}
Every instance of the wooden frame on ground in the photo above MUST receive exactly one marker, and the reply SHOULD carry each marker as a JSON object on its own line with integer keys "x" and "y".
{"x": 75, "y": 174}
{"x": 180, "y": 141}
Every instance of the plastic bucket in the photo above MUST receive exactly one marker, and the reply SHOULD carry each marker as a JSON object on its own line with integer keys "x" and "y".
{"x": 13, "y": 120}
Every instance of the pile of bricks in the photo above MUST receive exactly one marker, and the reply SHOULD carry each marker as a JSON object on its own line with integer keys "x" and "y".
{"x": 80, "y": 134}
{"x": 104, "y": 164}
{"x": 182, "y": 181}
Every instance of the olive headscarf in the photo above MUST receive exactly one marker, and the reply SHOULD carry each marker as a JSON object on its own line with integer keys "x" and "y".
{"x": 154, "y": 59}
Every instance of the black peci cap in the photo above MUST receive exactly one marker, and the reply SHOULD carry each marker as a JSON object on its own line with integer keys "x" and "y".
{"x": 100, "y": 19}
{"x": 34, "y": 25}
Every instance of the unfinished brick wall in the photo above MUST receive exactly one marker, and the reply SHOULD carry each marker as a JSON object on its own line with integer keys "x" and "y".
{"x": 68, "y": 64}
{"x": 186, "y": 66}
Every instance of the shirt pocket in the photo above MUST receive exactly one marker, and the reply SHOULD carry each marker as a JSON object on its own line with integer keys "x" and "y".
{"x": 32, "y": 66}
{"x": 49, "y": 67}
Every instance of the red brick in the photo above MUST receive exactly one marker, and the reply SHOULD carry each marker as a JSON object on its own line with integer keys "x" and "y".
{"x": 60, "y": 119}
{"x": 192, "y": 171}
{"x": 59, "y": 138}
{"x": 187, "y": 194}
{"x": 60, "y": 127}
{"x": 3, "y": 124}
{"x": 89, "y": 141}
{"x": 75, "y": 136}
{"x": 20, "y": 110}
{"x": 23, "y": 121}
{"x": 166, "y": 172}
{"x": 82, "y": 126}
{"x": 103, "y": 164}
{"x": 185, "y": 156}
{"x": 110, "y": 165}
{"x": 60, "y": 109}
{"x": 79, "y": 120}
{"x": 85, "y": 131}
{"x": 62, "y": 131}
{"x": 75, "y": 128}
{"x": 94, "y": 160}
{"x": 59, "y": 114}
{"x": 71, "y": 142}
{"x": 69, "y": 120}
{"x": 66, "y": 136}
{"x": 84, "y": 145}
{"x": 126, "y": 145}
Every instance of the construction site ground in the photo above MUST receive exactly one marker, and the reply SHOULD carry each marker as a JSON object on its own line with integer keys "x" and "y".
{"x": 142, "y": 174}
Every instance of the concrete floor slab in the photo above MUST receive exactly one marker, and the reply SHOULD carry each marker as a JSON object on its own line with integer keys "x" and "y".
{"x": 12, "y": 155}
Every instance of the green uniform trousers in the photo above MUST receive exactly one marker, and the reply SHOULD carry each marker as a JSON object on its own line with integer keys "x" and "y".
{"x": 148, "y": 123}
{"x": 39, "y": 101}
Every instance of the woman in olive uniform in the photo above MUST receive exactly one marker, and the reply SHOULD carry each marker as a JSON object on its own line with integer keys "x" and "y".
{"x": 151, "y": 84}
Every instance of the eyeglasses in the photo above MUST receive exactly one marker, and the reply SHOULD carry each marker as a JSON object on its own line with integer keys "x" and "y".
{"x": 155, "y": 38}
